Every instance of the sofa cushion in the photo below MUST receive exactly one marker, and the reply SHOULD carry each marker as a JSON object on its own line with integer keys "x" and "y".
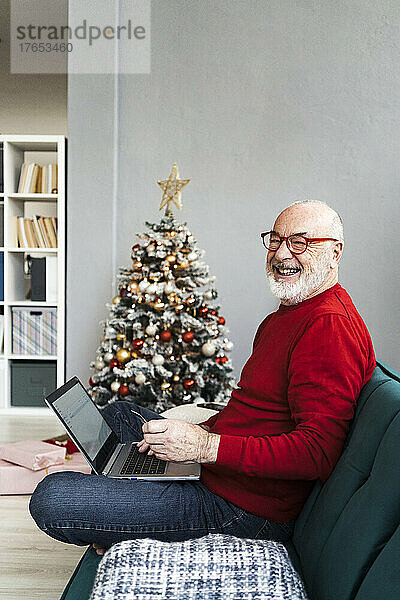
{"x": 213, "y": 567}
{"x": 347, "y": 537}
{"x": 80, "y": 585}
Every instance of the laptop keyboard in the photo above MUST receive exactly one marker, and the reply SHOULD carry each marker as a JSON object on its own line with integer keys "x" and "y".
{"x": 140, "y": 463}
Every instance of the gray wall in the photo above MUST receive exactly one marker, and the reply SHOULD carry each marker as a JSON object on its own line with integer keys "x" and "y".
{"x": 31, "y": 104}
{"x": 261, "y": 104}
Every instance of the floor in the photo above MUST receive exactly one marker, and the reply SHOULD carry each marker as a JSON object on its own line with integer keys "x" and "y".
{"x": 32, "y": 565}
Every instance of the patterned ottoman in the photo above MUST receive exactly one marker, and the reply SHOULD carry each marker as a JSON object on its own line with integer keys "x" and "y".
{"x": 210, "y": 568}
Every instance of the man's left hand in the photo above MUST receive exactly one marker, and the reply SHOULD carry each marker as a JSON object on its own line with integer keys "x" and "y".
{"x": 178, "y": 441}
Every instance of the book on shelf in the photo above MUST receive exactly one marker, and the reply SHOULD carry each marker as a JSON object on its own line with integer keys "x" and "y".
{"x": 21, "y": 240}
{"x": 38, "y": 232}
{"x": 38, "y": 179}
{"x": 44, "y": 279}
{"x": 48, "y": 223}
{"x": 1, "y": 169}
{"x": 48, "y": 179}
{"x": 1, "y": 335}
{"x": 30, "y": 234}
{"x": 35, "y": 232}
{"x": 1, "y": 276}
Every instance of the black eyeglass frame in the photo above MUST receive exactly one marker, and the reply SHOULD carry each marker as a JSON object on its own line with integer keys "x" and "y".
{"x": 287, "y": 239}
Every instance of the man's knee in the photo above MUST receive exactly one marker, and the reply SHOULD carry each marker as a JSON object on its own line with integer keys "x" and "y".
{"x": 120, "y": 406}
{"x": 47, "y": 501}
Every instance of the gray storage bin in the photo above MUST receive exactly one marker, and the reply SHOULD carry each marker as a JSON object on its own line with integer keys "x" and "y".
{"x": 31, "y": 381}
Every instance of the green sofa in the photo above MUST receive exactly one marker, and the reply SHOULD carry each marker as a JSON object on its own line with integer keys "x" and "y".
{"x": 346, "y": 543}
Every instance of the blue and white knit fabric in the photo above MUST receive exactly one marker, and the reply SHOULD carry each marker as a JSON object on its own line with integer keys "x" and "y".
{"x": 215, "y": 567}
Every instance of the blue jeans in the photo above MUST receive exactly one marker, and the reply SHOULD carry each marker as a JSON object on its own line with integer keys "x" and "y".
{"x": 81, "y": 509}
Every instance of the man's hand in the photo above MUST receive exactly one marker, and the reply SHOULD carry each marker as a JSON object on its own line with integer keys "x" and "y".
{"x": 178, "y": 441}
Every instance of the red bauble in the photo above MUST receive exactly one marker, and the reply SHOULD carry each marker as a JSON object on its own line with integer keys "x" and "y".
{"x": 113, "y": 363}
{"x": 91, "y": 382}
{"x": 188, "y": 383}
{"x": 221, "y": 360}
{"x": 123, "y": 390}
{"x": 135, "y": 247}
{"x": 203, "y": 311}
{"x": 221, "y": 321}
{"x": 165, "y": 335}
{"x": 137, "y": 344}
{"x": 188, "y": 337}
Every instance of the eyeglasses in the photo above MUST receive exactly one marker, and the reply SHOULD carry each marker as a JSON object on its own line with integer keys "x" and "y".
{"x": 297, "y": 244}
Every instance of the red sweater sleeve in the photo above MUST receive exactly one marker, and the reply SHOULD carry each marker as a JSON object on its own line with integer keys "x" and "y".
{"x": 210, "y": 422}
{"x": 326, "y": 371}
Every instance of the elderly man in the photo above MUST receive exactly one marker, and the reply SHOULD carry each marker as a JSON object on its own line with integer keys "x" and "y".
{"x": 283, "y": 428}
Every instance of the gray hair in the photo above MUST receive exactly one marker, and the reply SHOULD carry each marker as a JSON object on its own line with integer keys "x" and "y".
{"x": 336, "y": 227}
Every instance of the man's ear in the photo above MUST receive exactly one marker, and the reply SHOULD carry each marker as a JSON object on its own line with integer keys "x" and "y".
{"x": 337, "y": 254}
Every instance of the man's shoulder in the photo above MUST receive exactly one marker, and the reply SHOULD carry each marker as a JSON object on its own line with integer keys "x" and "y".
{"x": 338, "y": 302}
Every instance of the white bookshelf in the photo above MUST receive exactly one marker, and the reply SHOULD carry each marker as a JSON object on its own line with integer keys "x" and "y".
{"x": 41, "y": 149}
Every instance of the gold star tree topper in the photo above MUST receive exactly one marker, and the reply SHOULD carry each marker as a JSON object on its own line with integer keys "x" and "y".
{"x": 172, "y": 190}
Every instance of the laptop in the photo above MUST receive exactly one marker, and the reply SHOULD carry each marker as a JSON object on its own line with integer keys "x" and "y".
{"x": 100, "y": 445}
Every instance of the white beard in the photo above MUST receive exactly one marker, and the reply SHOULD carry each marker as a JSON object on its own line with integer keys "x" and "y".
{"x": 310, "y": 279}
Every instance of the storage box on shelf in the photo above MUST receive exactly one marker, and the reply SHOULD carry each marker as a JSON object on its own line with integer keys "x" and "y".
{"x": 34, "y": 331}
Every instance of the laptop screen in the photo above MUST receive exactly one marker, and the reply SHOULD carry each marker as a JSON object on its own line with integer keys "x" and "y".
{"x": 83, "y": 419}
{"x": 84, "y": 422}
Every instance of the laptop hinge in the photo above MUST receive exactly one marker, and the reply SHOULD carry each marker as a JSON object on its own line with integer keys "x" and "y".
{"x": 112, "y": 459}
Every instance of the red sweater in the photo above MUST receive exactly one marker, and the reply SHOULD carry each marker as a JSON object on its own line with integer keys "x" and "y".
{"x": 286, "y": 421}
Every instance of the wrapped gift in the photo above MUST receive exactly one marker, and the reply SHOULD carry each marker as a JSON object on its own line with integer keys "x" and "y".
{"x": 33, "y": 454}
{"x": 19, "y": 480}
{"x": 64, "y": 441}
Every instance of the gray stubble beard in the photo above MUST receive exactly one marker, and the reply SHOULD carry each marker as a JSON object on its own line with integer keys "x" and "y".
{"x": 310, "y": 280}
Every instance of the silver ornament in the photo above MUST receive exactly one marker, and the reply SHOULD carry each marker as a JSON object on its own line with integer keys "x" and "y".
{"x": 151, "y": 330}
{"x": 208, "y": 295}
{"x": 208, "y": 349}
{"x": 144, "y": 284}
{"x": 99, "y": 364}
{"x": 228, "y": 346}
{"x": 115, "y": 386}
{"x": 140, "y": 378}
{"x": 108, "y": 356}
{"x": 192, "y": 256}
{"x": 157, "y": 360}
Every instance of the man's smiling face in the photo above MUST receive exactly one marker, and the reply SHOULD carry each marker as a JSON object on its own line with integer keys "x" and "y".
{"x": 294, "y": 278}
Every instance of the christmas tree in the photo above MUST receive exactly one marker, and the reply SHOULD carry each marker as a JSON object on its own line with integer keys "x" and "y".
{"x": 164, "y": 342}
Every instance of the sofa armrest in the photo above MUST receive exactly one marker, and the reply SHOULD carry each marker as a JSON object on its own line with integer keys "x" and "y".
{"x": 191, "y": 413}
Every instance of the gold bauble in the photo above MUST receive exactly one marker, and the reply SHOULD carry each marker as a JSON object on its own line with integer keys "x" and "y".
{"x": 123, "y": 355}
{"x": 165, "y": 385}
{"x": 179, "y": 308}
{"x": 190, "y": 301}
{"x": 171, "y": 258}
{"x": 176, "y": 378}
{"x": 173, "y": 233}
{"x": 116, "y": 300}
{"x": 159, "y": 306}
{"x": 134, "y": 354}
{"x": 137, "y": 265}
{"x": 121, "y": 337}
